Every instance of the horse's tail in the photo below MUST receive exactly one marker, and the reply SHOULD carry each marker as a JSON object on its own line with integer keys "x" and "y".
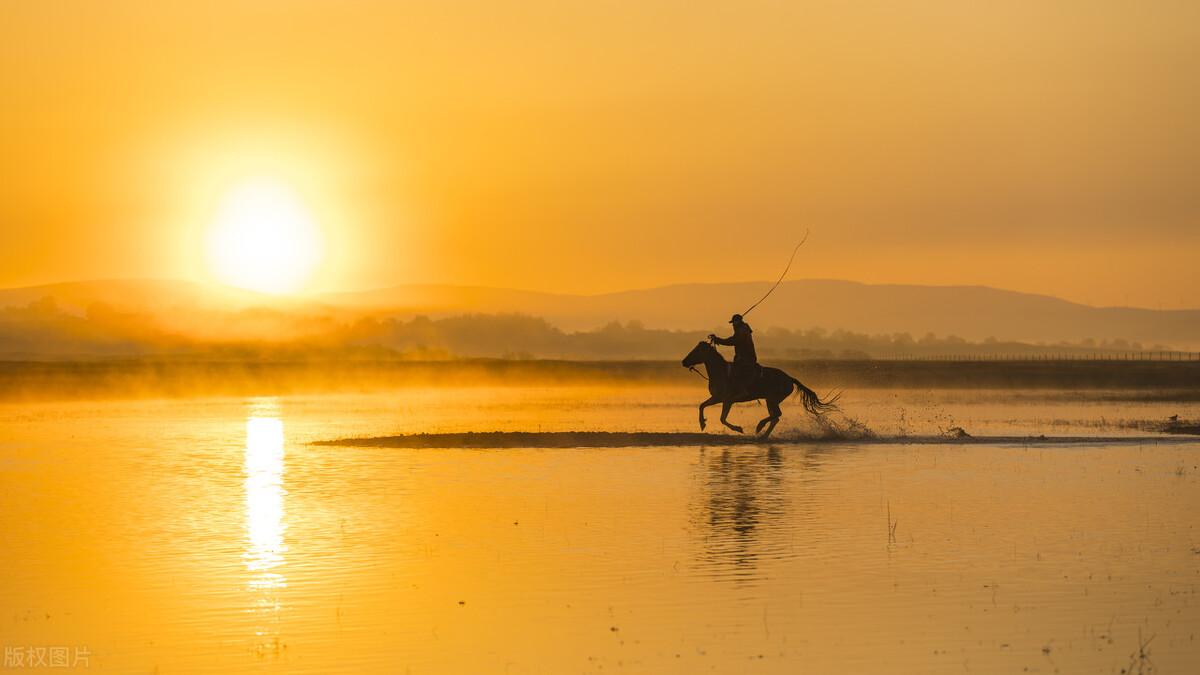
{"x": 813, "y": 403}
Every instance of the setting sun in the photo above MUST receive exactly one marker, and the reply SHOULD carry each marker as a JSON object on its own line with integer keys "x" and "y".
{"x": 263, "y": 238}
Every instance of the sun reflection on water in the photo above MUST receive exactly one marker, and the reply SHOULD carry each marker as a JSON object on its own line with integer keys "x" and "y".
{"x": 264, "y": 501}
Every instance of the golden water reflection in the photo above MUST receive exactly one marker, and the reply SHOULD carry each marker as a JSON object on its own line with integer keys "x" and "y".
{"x": 265, "y": 525}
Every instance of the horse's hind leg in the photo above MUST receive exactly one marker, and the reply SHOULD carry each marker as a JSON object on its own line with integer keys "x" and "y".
{"x": 771, "y": 427}
{"x": 775, "y": 413}
{"x": 763, "y": 422}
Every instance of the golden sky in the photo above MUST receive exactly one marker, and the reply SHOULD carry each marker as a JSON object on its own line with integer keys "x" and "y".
{"x": 591, "y": 146}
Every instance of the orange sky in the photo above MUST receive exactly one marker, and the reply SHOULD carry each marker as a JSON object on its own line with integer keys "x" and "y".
{"x": 592, "y": 146}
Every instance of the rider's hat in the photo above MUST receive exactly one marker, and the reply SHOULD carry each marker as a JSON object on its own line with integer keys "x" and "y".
{"x": 737, "y": 318}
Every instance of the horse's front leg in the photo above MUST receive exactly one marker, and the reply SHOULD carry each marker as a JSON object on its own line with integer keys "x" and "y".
{"x": 725, "y": 406}
{"x": 711, "y": 401}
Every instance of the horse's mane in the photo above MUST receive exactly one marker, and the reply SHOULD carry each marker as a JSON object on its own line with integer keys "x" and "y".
{"x": 710, "y": 348}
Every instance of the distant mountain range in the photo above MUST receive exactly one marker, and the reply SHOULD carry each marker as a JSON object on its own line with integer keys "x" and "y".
{"x": 971, "y": 312}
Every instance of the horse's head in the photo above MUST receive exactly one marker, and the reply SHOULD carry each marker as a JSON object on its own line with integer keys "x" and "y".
{"x": 698, "y": 354}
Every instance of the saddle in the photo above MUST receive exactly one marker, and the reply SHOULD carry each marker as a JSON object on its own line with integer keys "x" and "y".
{"x": 753, "y": 374}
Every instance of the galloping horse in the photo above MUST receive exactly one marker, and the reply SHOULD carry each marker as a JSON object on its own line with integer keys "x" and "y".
{"x": 773, "y": 384}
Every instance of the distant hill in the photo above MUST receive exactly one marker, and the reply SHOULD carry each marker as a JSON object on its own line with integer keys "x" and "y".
{"x": 971, "y": 312}
{"x": 141, "y": 295}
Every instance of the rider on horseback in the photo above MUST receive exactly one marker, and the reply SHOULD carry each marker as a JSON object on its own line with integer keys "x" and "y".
{"x": 745, "y": 362}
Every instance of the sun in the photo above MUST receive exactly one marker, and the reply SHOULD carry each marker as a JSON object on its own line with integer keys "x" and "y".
{"x": 263, "y": 238}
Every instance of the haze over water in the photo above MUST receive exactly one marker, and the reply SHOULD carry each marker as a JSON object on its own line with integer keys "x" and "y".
{"x": 209, "y": 535}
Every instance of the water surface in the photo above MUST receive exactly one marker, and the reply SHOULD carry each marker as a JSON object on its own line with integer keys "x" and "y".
{"x": 210, "y": 535}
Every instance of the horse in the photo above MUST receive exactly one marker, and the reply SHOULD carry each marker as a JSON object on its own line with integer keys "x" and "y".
{"x": 772, "y": 384}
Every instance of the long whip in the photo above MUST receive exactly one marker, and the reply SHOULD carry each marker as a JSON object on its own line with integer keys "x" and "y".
{"x": 781, "y": 276}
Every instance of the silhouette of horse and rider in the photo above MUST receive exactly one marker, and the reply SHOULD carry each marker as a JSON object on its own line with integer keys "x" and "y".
{"x": 746, "y": 380}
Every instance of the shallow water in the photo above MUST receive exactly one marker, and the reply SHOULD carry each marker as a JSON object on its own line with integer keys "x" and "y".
{"x": 209, "y": 535}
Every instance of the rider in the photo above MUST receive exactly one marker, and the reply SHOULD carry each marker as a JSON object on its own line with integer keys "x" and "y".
{"x": 745, "y": 361}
